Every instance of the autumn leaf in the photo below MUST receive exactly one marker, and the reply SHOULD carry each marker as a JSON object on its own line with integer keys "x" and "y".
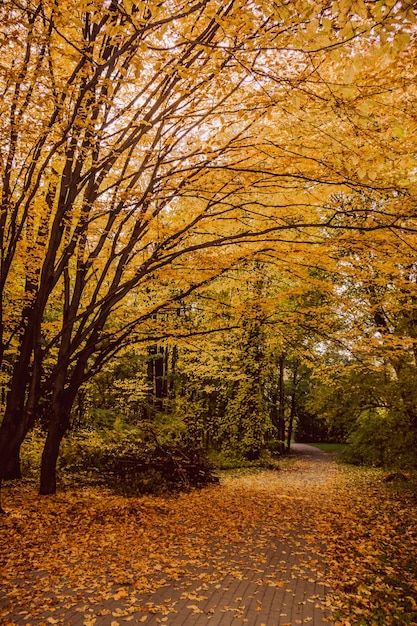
{"x": 341, "y": 509}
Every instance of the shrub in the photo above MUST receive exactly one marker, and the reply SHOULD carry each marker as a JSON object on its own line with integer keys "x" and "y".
{"x": 123, "y": 460}
{"x": 158, "y": 468}
{"x": 229, "y": 461}
{"x": 81, "y": 452}
{"x": 130, "y": 465}
{"x": 31, "y": 453}
{"x": 381, "y": 439}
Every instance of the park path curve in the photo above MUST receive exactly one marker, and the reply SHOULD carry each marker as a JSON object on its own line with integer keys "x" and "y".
{"x": 265, "y": 578}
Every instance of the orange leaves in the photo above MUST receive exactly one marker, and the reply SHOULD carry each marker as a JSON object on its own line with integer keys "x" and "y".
{"x": 372, "y": 567}
{"x": 97, "y": 539}
{"x": 176, "y": 556}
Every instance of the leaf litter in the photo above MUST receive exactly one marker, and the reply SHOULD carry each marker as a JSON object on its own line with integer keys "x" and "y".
{"x": 102, "y": 556}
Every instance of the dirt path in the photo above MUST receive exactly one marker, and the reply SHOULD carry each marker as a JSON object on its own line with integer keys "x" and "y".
{"x": 247, "y": 552}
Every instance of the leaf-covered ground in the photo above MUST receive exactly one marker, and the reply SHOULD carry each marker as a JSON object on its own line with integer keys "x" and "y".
{"x": 90, "y": 557}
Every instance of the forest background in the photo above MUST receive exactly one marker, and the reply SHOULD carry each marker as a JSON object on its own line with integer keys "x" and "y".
{"x": 207, "y": 230}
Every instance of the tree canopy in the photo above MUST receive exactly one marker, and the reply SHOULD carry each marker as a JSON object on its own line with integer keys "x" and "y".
{"x": 149, "y": 150}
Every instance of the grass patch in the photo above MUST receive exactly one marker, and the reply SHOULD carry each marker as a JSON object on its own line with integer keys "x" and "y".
{"x": 336, "y": 448}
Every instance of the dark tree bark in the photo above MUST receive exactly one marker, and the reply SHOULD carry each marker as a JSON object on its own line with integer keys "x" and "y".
{"x": 293, "y": 406}
{"x": 172, "y": 373}
{"x": 12, "y": 437}
{"x": 16, "y": 422}
{"x": 59, "y": 422}
{"x": 47, "y": 485}
{"x": 281, "y": 406}
{"x": 12, "y": 470}
{"x": 13, "y": 430}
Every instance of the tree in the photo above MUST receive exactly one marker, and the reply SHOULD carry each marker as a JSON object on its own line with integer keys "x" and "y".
{"x": 109, "y": 195}
{"x": 135, "y": 149}
{"x": 375, "y": 363}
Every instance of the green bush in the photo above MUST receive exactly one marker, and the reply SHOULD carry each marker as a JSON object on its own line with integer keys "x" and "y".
{"x": 31, "y": 453}
{"x": 381, "y": 439}
{"x": 225, "y": 461}
{"x": 274, "y": 446}
{"x": 222, "y": 460}
{"x": 82, "y": 451}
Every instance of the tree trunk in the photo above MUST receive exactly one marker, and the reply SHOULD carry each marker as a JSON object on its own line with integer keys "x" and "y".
{"x": 59, "y": 420}
{"x": 21, "y": 401}
{"x": 291, "y": 420}
{"x": 293, "y": 405}
{"x": 172, "y": 374}
{"x": 60, "y": 410}
{"x": 12, "y": 468}
{"x": 159, "y": 377}
{"x": 50, "y": 454}
{"x": 281, "y": 409}
{"x": 12, "y": 436}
